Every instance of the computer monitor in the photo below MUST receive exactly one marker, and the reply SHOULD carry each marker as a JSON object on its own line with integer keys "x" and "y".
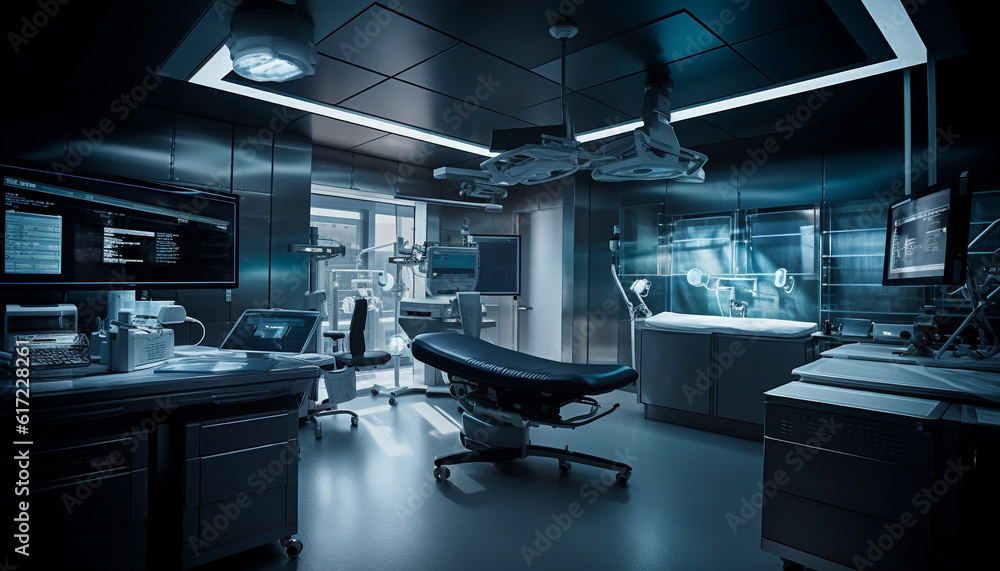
{"x": 72, "y": 232}
{"x": 272, "y": 331}
{"x": 499, "y": 264}
{"x": 451, "y": 269}
{"x": 927, "y": 236}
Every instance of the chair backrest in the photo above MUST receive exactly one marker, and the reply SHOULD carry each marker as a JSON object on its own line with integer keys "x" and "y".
{"x": 357, "y": 332}
{"x": 470, "y": 312}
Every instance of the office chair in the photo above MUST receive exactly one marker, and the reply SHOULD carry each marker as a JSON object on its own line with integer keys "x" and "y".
{"x": 358, "y": 356}
{"x": 341, "y": 382}
{"x": 470, "y": 312}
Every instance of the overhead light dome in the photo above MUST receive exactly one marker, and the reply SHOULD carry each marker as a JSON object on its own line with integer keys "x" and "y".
{"x": 271, "y": 45}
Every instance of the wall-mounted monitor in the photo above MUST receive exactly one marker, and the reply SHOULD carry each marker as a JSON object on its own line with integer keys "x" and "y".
{"x": 927, "y": 235}
{"x": 451, "y": 269}
{"x": 72, "y": 232}
{"x": 499, "y": 264}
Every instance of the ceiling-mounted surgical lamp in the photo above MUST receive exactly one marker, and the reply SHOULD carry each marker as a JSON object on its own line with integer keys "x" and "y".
{"x": 271, "y": 45}
{"x": 487, "y": 206}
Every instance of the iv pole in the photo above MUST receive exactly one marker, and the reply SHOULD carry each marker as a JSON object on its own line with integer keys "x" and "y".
{"x": 634, "y": 311}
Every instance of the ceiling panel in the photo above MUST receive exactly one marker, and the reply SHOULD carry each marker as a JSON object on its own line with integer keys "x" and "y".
{"x": 418, "y": 107}
{"x": 699, "y": 79}
{"x": 739, "y": 20}
{"x": 780, "y": 116}
{"x": 519, "y": 31}
{"x": 474, "y": 76}
{"x": 648, "y": 47}
{"x": 333, "y": 82}
{"x": 775, "y": 55}
{"x": 411, "y": 151}
{"x": 384, "y": 41}
{"x": 420, "y": 63}
{"x": 585, "y": 113}
{"x": 332, "y": 133}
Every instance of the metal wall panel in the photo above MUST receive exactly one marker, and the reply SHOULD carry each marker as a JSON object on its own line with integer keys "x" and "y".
{"x": 36, "y": 135}
{"x": 602, "y": 308}
{"x": 576, "y": 270}
{"x": 208, "y": 306}
{"x": 289, "y": 278}
{"x": 332, "y": 167}
{"x": 255, "y": 240}
{"x": 641, "y": 192}
{"x": 419, "y": 181}
{"x": 129, "y": 142}
{"x": 863, "y": 159}
{"x": 784, "y": 169}
{"x": 719, "y": 191}
{"x": 253, "y": 151}
{"x": 203, "y": 152}
{"x": 374, "y": 175}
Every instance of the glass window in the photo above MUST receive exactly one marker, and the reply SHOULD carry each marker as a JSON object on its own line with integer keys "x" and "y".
{"x": 369, "y": 231}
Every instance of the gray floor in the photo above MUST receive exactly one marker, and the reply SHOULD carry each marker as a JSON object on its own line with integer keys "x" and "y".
{"x": 368, "y": 499}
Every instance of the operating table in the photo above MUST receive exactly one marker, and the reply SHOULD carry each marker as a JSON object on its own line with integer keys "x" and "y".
{"x": 501, "y": 393}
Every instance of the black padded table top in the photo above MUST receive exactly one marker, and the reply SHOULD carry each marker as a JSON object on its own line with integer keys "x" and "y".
{"x": 474, "y": 359}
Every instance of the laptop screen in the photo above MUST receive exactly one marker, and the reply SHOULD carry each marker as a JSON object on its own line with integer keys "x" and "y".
{"x": 272, "y": 331}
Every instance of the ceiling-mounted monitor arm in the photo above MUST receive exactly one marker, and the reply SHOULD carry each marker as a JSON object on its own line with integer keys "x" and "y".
{"x": 656, "y": 113}
{"x": 563, "y": 31}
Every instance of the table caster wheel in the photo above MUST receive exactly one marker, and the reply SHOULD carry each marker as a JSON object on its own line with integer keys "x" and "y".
{"x": 441, "y": 473}
{"x": 564, "y": 466}
{"x": 623, "y": 476}
{"x": 292, "y": 547}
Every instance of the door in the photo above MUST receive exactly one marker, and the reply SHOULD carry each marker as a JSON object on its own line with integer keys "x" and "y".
{"x": 539, "y": 310}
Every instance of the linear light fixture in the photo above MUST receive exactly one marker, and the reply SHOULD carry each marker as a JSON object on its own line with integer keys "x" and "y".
{"x": 487, "y": 206}
{"x": 891, "y": 19}
{"x": 889, "y": 15}
{"x": 213, "y": 72}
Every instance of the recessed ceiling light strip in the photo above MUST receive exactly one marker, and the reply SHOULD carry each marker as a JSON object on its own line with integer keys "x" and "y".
{"x": 889, "y": 15}
{"x": 891, "y": 19}
{"x": 213, "y": 72}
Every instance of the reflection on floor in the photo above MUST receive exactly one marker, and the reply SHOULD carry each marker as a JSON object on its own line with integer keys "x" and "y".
{"x": 368, "y": 499}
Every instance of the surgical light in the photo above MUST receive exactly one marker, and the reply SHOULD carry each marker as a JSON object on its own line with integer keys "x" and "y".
{"x": 784, "y": 281}
{"x": 640, "y": 287}
{"x": 271, "y": 45}
{"x": 694, "y": 276}
{"x": 397, "y": 345}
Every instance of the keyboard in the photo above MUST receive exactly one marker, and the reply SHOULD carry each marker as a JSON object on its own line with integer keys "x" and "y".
{"x": 58, "y": 360}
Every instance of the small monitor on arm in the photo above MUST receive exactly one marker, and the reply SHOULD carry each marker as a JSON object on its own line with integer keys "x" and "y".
{"x": 927, "y": 236}
{"x": 451, "y": 269}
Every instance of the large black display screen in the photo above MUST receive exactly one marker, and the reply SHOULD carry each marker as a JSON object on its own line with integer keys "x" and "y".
{"x": 74, "y": 232}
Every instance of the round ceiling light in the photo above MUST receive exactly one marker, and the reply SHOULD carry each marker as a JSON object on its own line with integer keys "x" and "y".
{"x": 271, "y": 45}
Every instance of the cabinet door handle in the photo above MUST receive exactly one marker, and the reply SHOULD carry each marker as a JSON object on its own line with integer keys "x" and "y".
{"x": 523, "y": 308}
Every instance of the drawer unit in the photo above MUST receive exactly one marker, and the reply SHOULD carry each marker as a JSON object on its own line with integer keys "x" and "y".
{"x": 240, "y": 485}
